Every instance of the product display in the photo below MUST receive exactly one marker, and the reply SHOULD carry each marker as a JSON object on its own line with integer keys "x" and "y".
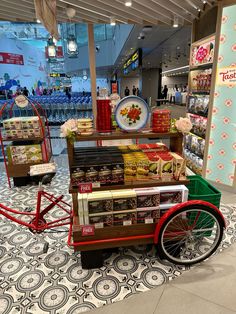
{"x": 199, "y": 125}
{"x": 194, "y": 144}
{"x": 161, "y": 121}
{"x": 198, "y": 104}
{"x": 202, "y": 52}
{"x": 129, "y": 206}
{"x": 24, "y": 154}
{"x": 22, "y": 127}
{"x": 132, "y": 113}
{"x": 194, "y": 162}
{"x": 201, "y": 80}
{"x": 85, "y": 126}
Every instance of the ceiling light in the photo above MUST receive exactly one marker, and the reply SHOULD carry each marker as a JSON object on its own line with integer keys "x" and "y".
{"x": 128, "y": 3}
{"x": 112, "y": 21}
{"x": 199, "y": 10}
{"x": 131, "y": 48}
{"x": 38, "y": 21}
{"x": 204, "y": 2}
{"x": 176, "y": 22}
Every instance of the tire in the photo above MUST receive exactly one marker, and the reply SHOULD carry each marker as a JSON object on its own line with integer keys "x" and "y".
{"x": 181, "y": 246}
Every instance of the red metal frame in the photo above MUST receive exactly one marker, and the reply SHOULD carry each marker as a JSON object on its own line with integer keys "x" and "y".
{"x": 37, "y": 224}
{"x": 44, "y": 136}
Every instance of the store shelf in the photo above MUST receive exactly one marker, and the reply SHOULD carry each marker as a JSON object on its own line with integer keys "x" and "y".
{"x": 127, "y": 135}
{"x": 133, "y": 185}
{"x": 194, "y": 134}
{"x": 202, "y": 92}
{"x": 198, "y": 114}
{"x": 201, "y": 66}
{"x": 24, "y": 139}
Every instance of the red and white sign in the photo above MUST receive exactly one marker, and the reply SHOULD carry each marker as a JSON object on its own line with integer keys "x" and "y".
{"x": 11, "y": 58}
{"x": 85, "y": 188}
{"x": 59, "y": 52}
{"x": 88, "y": 230}
{"x": 226, "y": 76}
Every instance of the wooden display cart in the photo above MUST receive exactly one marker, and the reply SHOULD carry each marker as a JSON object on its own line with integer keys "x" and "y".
{"x": 18, "y": 171}
{"x": 116, "y": 236}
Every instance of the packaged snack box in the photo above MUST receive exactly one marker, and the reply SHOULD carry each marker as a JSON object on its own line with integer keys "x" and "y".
{"x": 130, "y": 168}
{"x": 12, "y": 124}
{"x": 142, "y": 165}
{"x": 171, "y": 195}
{"x": 81, "y": 209}
{"x": 147, "y": 198}
{"x": 166, "y": 166}
{"x": 124, "y": 200}
{"x": 125, "y": 219}
{"x": 179, "y": 167}
{"x": 148, "y": 216}
{"x": 99, "y": 202}
{"x": 23, "y": 154}
{"x": 154, "y": 165}
{"x": 101, "y": 221}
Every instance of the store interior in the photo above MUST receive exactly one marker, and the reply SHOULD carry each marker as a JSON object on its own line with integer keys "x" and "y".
{"x": 118, "y": 155}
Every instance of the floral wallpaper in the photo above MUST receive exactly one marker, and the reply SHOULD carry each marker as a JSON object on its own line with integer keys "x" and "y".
{"x": 222, "y": 145}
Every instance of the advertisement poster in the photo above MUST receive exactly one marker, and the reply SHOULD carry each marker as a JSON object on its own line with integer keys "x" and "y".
{"x": 11, "y": 58}
{"x": 226, "y": 76}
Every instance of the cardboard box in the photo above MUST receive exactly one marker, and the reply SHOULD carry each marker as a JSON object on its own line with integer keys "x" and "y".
{"x": 148, "y": 216}
{"x": 179, "y": 167}
{"x": 24, "y": 154}
{"x": 101, "y": 221}
{"x": 172, "y": 195}
{"x": 124, "y": 200}
{"x": 125, "y": 219}
{"x": 100, "y": 202}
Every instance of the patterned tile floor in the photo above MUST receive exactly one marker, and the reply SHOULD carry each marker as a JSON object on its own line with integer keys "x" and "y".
{"x": 34, "y": 282}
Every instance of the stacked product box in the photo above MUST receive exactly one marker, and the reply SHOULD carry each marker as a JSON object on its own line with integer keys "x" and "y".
{"x": 22, "y": 127}
{"x": 24, "y": 154}
{"x": 128, "y": 207}
{"x": 161, "y": 121}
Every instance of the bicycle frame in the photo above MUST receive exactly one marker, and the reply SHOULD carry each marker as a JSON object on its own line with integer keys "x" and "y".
{"x": 38, "y": 223}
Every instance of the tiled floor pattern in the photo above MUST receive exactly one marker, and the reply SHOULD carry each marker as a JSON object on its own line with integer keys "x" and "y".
{"x": 34, "y": 282}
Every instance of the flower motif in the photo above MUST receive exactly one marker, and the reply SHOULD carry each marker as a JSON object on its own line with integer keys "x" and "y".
{"x": 211, "y": 142}
{"x": 213, "y": 126}
{"x": 233, "y": 162}
{"x": 183, "y": 125}
{"x": 228, "y": 102}
{"x": 220, "y": 59}
{"x": 209, "y": 157}
{"x": 222, "y": 38}
{"x": 220, "y": 166}
{"x": 208, "y": 171}
{"x": 224, "y": 19}
{"x": 233, "y": 64}
{"x": 234, "y": 146}
{"x": 218, "y": 180}
{"x": 224, "y": 135}
{"x": 222, "y": 152}
{"x": 124, "y": 111}
{"x": 215, "y": 110}
{"x": 231, "y": 177}
{"x": 234, "y": 47}
{"x": 216, "y": 94}
{"x": 226, "y": 120}
{"x": 230, "y": 85}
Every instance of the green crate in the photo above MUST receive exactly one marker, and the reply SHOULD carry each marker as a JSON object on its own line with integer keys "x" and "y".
{"x": 200, "y": 189}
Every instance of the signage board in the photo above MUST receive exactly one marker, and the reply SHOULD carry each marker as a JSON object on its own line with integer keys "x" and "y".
{"x": 226, "y": 76}
{"x": 133, "y": 62}
{"x": 11, "y": 58}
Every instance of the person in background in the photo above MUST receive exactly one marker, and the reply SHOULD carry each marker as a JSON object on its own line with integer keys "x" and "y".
{"x": 165, "y": 92}
{"x": 25, "y": 92}
{"x": 68, "y": 94}
{"x": 33, "y": 91}
{"x": 127, "y": 91}
{"x": 176, "y": 88}
{"x": 134, "y": 90}
{"x": 138, "y": 92}
{"x": 44, "y": 91}
{"x": 98, "y": 91}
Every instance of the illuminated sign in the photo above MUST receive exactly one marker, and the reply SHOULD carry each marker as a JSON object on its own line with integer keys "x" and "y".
{"x": 58, "y": 75}
{"x": 133, "y": 62}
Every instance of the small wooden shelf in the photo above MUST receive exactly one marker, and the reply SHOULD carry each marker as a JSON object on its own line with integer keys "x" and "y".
{"x": 201, "y": 66}
{"x": 127, "y": 135}
{"x": 21, "y": 170}
{"x": 24, "y": 139}
{"x": 133, "y": 185}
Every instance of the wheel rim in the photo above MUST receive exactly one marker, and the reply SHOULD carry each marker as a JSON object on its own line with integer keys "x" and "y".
{"x": 190, "y": 236}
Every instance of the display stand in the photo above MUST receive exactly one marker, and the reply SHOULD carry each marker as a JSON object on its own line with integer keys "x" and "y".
{"x": 18, "y": 171}
{"x": 116, "y": 236}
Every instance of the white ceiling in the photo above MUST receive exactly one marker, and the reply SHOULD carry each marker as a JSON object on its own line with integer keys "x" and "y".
{"x": 152, "y": 12}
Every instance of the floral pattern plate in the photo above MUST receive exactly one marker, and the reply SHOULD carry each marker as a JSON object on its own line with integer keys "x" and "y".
{"x": 132, "y": 113}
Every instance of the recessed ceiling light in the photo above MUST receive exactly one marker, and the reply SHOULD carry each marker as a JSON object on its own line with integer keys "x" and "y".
{"x": 128, "y": 3}
{"x": 112, "y": 21}
{"x": 176, "y": 22}
{"x": 131, "y": 48}
{"x": 38, "y": 21}
{"x": 199, "y": 10}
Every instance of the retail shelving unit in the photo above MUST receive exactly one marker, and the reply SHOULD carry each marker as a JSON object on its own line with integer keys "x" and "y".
{"x": 116, "y": 236}
{"x": 200, "y": 85}
{"x": 22, "y": 170}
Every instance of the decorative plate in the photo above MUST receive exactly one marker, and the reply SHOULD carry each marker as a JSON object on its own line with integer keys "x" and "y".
{"x": 131, "y": 113}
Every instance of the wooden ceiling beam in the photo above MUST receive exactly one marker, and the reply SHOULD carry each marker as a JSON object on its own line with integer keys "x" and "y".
{"x": 174, "y": 9}
{"x": 99, "y": 9}
{"x": 183, "y": 5}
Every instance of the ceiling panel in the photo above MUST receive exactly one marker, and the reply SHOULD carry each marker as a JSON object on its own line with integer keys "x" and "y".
{"x": 153, "y": 12}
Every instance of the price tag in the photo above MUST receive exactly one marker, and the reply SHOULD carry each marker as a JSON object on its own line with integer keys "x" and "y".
{"x": 88, "y": 230}
{"x": 127, "y": 222}
{"x": 41, "y": 169}
{"x": 85, "y": 188}
{"x": 149, "y": 221}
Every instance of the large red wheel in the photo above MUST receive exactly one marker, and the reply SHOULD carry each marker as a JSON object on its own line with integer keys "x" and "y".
{"x": 190, "y": 233}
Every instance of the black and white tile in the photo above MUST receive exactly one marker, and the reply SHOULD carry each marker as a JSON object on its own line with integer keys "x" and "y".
{"x": 34, "y": 282}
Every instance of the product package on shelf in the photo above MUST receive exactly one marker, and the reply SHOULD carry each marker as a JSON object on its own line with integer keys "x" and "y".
{"x": 85, "y": 126}
{"x": 201, "y": 80}
{"x": 198, "y": 104}
{"x": 104, "y": 123}
{"x": 199, "y": 125}
{"x": 148, "y": 216}
{"x": 171, "y": 195}
{"x": 101, "y": 221}
{"x": 124, "y": 200}
{"x": 100, "y": 202}
{"x": 194, "y": 144}
{"x": 179, "y": 167}
{"x": 22, "y": 127}
{"x": 161, "y": 121}
{"x": 24, "y": 154}
{"x": 125, "y": 219}
{"x": 147, "y": 198}
{"x": 194, "y": 162}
